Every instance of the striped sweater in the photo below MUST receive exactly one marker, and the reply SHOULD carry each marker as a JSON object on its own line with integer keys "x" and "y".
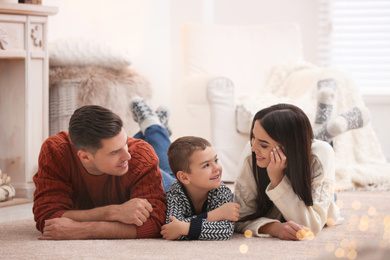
{"x": 179, "y": 205}
{"x": 63, "y": 184}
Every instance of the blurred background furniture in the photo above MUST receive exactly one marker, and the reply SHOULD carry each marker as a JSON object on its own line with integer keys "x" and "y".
{"x": 260, "y": 66}
{"x": 89, "y": 72}
{"x": 244, "y": 54}
{"x": 24, "y": 91}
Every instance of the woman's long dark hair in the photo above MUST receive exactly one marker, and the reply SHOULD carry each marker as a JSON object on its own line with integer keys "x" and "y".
{"x": 289, "y": 126}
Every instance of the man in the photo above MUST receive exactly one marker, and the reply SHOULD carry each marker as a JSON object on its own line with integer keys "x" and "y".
{"x": 95, "y": 182}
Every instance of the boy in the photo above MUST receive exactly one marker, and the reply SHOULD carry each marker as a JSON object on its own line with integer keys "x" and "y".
{"x": 198, "y": 204}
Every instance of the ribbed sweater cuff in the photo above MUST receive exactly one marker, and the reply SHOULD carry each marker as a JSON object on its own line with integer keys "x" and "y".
{"x": 196, "y": 226}
{"x": 148, "y": 230}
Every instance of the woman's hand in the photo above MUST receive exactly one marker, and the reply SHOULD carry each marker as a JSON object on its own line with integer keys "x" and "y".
{"x": 278, "y": 161}
{"x": 285, "y": 231}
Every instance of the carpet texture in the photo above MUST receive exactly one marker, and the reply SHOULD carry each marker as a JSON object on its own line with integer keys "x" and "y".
{"x": 365, "y": 234}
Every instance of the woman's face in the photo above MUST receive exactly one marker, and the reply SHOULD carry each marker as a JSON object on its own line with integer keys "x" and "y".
{"x": 262, "y": 145}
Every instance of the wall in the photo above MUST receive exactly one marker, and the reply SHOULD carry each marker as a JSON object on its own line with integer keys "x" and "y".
{"x": 151, "y": 29}
{"x": 141, "y": 25}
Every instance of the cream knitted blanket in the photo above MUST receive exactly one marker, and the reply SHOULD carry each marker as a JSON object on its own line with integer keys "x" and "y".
{"x": 360, "y": 162}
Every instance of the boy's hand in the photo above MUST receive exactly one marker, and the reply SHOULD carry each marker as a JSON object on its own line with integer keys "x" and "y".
{"x": 175, "y": 229}
{"x": 229, "y": 211}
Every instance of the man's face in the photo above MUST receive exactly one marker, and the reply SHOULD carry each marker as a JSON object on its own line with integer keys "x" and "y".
{"x": 112, "y": 158}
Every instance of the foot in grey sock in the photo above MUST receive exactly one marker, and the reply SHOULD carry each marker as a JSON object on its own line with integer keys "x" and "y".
{"x": 163, "y": 115}
{"x": 354, "y": 118}
{"x": 143, "y": 114}
{"x": 325, "y": 97}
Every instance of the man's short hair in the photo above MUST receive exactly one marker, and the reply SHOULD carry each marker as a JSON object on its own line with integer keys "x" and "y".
{"x": 90, "y": 124}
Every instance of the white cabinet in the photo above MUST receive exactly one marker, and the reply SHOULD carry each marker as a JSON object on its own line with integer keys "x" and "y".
{"x": 24, "y": 91}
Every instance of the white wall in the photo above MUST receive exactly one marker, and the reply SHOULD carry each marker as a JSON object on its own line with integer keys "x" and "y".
{"x": 152, "y": 31}
{"x": 141, "y": 25}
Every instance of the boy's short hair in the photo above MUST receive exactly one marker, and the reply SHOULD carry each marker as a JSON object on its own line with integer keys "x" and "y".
{"x": 181, "y": 149}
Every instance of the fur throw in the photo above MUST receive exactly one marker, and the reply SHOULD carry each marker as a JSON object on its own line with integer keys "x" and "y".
{"x": 109, "y": 88}
{"x": 360, "y": 162}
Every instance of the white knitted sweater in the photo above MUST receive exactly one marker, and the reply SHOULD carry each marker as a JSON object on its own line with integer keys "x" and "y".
{"x": 286, "y": 202}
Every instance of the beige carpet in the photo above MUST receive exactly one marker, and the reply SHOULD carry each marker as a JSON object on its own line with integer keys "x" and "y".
{"x": 367, "y": 223}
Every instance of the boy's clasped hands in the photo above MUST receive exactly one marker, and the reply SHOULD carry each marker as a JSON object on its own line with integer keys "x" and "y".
{"x": 229, "y": 211}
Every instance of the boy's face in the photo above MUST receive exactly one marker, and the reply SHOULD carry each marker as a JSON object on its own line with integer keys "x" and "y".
{"x": 206, "y": 172}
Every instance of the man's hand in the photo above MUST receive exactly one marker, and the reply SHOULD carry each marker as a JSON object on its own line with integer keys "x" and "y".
{"x": 61, "y": 229}
{"x": 175, "y": 229}
{"x": 135, "y": 211}
{"x": 65, "y": 229}
{"x": 229, "y": 211}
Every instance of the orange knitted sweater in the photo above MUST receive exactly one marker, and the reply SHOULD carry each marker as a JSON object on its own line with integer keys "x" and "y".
{"x": 63, "y": 184}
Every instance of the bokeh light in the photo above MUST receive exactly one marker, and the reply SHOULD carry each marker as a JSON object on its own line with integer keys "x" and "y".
{"x": 352, "y": 254}
{"x": 344, "y": 243}
{"x": 356, "y": 204}
{"x": 243, "y": 249}
{"x": 364, "y": 223}
{"x": 371, "y": 211}
{"x": 339, "y": 252}
{"x": 353, "y": 219}
{"x": 339, "y": 204}
{"x": 248, "y": 234}
{"x": 330, "y": 222}
{"x": 329, "y": 247}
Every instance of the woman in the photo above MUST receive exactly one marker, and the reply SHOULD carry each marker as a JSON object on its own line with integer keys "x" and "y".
{"x": 285, "y": 185}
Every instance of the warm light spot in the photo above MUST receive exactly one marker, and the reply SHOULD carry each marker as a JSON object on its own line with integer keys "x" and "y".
{"x": 329, "y": 247}
{"x": 248, "y": 233}
{"x": 371, "y": 211}
{"x": 344, "y": 243}
{"x": 356, "y": 205}
{"x": 386, "y": 235}
{"x": 374, "y": 227}
{"x": 330, "y": 222}
{"x": 340, "y": 235}
{"x": 300, "y": 234}
{"x": 243, "y": 249}
{"x": 331, "y": 187}
{"x": 339, "y": 204}
{"x": 386, "y": 221}
{"x": 350, "y": 228}
{"x": 352, "y": 254}
{"x": 339, "y": 252}
{"x": 383, "y": 244}
{"x": 309, "y": 235}
{"x": 387, "y": 229}
{"x": 364, "y": 222}
{"x": 353, "y": 219}
{"x": 352, "y": 245}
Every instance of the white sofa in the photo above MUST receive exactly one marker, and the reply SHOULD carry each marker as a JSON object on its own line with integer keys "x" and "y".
{"x": 233, "y": 71}
{"x": 244, "y": 54}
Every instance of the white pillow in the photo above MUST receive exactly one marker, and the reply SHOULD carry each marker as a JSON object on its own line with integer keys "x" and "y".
{"x": 87, "y": 52}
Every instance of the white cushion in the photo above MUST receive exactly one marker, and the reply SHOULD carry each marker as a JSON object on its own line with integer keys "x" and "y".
{"x": 248, "y": 106}
{"x": 87, "y": 52}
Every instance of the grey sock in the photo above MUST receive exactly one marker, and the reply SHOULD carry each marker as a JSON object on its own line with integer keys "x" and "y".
{"x": 354, "y": 118}
{"x": 143, "y": 114}
{"x": 326, "y": 90}
{"x": 163, "y": 114}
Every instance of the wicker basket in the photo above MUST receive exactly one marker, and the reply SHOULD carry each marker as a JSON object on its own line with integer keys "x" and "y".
{"x": 63, "y": 102}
